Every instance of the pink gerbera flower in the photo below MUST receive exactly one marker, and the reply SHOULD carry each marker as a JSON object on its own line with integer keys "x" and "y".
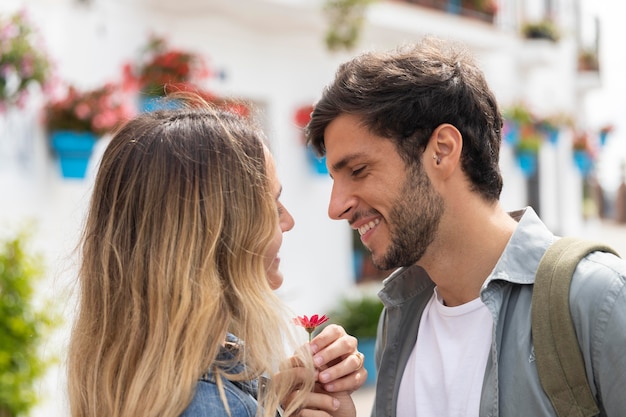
{"x": 310, "y": 324}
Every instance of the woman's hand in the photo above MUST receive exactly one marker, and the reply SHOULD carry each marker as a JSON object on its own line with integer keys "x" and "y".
{"x": 338, "y": 360}
{"x": 339, "y": 372}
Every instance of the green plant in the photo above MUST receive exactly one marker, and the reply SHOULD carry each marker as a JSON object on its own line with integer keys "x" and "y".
{"x": 23, "y": 61}
{"x": 22, "y": 327}
{"x": 483, "y": 6}
{"x": 542, "y": 29}
{"x": 588, "y": 60}
{"x": 100, "y": 110}
{"x": 530, "y": 141}
{"x": 358, "y": 316}
{"x": 519, "y": 113}
{"x": 345, "y": 19}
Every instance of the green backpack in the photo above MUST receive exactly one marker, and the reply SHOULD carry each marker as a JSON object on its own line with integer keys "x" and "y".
{"x": 561, "y": 367}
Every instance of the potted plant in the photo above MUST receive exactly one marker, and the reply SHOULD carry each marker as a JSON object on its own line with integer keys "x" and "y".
{"x": 23, "y": 328}
{"x": 479, "y": 9}
{"x": 524, "y": 132}
{"x": 160, "y": 67}
{"x": 359, "y": 317}
{"x": 588, "y": 60}
{"x": 551, "y": 126}
{"x": 583, "y": 152}
{"x": 541, "y": 29}
{"x": 79, "y": 118}
{"x": 604, "y": 133}
{"x": 515, "y": 117}
{"x": 302, "y": 116}
{"x": 345, "y": 22}
{"x": 23, "y": 61}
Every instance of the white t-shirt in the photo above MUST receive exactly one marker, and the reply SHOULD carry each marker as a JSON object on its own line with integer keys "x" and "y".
{"x": 445, "y": 379}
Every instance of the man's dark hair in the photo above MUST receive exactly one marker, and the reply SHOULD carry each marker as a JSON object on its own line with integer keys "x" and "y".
{"x": 405, "y": 94}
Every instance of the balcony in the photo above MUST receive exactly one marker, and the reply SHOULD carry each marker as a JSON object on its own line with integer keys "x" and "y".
{"x": 483, "y": 10}
{"x": 588, "y": 70}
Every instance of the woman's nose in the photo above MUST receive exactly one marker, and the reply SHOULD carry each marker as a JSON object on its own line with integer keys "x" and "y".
{"x": 286, "y": 221}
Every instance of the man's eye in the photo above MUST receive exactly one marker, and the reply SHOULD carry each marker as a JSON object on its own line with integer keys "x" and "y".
{"x": 358, "y": 171}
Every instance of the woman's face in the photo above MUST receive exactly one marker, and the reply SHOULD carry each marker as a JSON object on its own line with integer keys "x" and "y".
{"x": 285, "y": 223}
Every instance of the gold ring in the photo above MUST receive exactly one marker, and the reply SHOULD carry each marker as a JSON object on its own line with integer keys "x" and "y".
{"x": 361, "y": 359}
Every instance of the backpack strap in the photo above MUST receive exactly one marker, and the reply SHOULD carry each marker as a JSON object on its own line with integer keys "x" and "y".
{"x": 560, "y": 365}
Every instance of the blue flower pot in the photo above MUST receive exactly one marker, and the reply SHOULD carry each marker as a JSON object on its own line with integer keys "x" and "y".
{"x": 510, "y": 132}
{"x": 552, "y": 135}
{"x": 152, "y": 103}
{"x": 317, "y": 164}
{"x": 527, "y": 162}
{"x": 366, "y": 347}
{"x": 74, "y": 150}
{"x": 583, "y": 162}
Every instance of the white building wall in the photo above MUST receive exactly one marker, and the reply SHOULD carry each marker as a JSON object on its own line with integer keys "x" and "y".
{"x": 271, "y": 53}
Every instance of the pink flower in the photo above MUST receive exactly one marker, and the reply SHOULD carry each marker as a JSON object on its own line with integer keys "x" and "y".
{"x": 82, "y": 111}
{"x": 310, "y": 324}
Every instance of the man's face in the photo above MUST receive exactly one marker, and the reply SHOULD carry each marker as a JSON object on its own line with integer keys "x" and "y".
{"x": 394, "y": 207}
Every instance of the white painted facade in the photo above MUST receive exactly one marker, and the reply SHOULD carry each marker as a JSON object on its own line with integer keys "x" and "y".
{"x": 272, "y": 53}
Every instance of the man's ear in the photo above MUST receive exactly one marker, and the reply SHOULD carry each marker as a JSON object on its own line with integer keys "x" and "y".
{"x": 444, "y": 147}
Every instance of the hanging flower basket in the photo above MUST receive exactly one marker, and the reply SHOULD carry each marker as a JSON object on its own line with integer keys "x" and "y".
{"x": 583, "y": 153}
{"x": 510, "y": 132}
{"x": 583, "y": 161}
{"x": 23, "y": 61}
{"x": 158, "y": 68}
{"x": 550, "y": 132}
{"x": 74, "y": 149}
{"x": 527, "y": 149}
{"x": 78, "y": 119}
{"x": 302, "y": 117}
{"x": 527, "y": 161}
{"x": 542, "y": 29}
{"x": 604, "y": 134}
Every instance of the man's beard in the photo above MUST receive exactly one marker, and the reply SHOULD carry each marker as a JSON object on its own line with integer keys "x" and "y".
{"x": 413, "y": 222}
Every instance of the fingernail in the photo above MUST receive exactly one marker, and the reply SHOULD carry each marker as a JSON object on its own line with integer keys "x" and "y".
{"x": 324, "y": 377}
{"x": 317, "y": 360}
{"x": 313, "y": 348}
{"x": 336, "y": 403}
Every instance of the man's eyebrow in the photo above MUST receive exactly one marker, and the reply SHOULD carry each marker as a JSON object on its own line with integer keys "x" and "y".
{"x": 342, "y": 163}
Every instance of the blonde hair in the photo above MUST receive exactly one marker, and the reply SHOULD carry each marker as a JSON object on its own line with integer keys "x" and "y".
{"x": 172, "y": 259}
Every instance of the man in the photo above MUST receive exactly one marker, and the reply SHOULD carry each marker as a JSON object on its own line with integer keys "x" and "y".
{"x": 412, "y": 142}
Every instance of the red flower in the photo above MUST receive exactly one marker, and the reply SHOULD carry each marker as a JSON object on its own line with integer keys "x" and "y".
{"x": 303, "y": 116}
{"x": 159, "y": 66}
{"x": 310, "y": 324}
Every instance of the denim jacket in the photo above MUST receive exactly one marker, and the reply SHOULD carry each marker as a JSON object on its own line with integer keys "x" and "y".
{"x": 241, "y": 396}
{"x": 511, "y": 386}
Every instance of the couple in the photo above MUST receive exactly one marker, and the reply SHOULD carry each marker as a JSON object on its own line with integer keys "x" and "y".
{"x": 178, "y": 316}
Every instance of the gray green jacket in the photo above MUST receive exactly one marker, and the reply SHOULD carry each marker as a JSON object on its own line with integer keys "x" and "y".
{"x": 511, "y": 385}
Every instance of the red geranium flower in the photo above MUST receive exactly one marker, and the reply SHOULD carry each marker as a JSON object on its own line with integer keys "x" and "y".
{"x": 303, "y": 116}
{"x": 160, "y": 65}
{"x": 310, "y": 324}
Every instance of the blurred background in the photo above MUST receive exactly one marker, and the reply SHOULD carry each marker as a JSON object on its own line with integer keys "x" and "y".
{"x": 68, "y": 66}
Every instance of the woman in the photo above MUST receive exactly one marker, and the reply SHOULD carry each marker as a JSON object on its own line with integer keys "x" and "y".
{"x": 177, "y": 313}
